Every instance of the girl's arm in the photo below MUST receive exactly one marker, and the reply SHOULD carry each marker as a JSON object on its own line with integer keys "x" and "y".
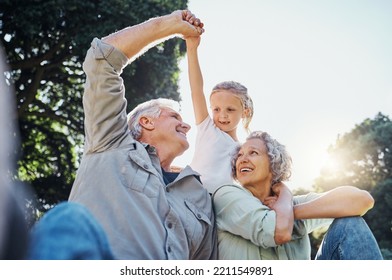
{"x": 196, "y": 80}
{"x": 282, "y": 204}
{"x": 339, "y": 202}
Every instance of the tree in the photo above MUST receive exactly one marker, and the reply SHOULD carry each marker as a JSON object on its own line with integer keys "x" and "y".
{"x": 45, "y": 42}
{"x": 380, "y": 217}
{"x": 363, "y": 158}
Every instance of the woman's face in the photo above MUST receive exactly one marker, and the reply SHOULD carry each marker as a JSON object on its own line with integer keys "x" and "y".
{"x": 253, "y": 165}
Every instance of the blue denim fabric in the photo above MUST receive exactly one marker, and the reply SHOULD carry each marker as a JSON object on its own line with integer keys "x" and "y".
{"x": 68, "y": 232}
{"x": 349, "y": 239}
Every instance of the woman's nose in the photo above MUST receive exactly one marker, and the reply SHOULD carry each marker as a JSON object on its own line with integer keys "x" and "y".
{"x": 242, "y": 158}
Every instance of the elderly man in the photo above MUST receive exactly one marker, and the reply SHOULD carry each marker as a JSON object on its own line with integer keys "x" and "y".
{"x": 124, "y": 179}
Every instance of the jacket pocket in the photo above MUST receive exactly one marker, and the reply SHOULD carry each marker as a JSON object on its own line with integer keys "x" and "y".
{"x": 198, "y": 213}
{"x": 140, "y": 179}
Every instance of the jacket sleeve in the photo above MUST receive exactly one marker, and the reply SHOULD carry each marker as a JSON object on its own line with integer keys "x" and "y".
{"x": 240, "y": 213}
{"x": 104, "y": 100}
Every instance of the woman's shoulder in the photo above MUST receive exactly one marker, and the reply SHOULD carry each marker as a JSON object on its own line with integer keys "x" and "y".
{"x": 228, "y": 188}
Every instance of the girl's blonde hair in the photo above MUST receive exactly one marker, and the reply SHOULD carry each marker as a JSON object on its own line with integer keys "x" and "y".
{"x": 241, "y": 92}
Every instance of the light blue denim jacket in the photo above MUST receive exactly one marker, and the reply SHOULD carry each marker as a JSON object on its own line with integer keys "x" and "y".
{"x": 120, "y": 180}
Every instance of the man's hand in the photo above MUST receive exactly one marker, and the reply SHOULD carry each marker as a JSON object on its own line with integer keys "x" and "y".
{"x": 189, "y": 24}
{"x": 189, "y": 17}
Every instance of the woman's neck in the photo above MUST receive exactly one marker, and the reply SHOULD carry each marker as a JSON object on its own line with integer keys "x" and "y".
{"x": 261, "y": 191}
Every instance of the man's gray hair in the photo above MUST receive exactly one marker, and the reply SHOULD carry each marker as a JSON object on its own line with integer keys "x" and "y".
{"x": 151, "y": 108}
{"x": 280, "y": 159}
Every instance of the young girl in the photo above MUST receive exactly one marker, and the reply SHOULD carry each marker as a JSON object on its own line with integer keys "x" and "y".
{"x": 217, "y": 135}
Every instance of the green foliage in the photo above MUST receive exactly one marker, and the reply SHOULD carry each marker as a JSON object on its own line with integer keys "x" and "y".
{"x": 380, "y": 217}
{"x": 387, "y": 254}
{"x": 363, "y": 158}
{"x": 45, "y": 43}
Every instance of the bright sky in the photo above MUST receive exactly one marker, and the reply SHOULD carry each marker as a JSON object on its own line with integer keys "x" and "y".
{"x": 314, "y": 69}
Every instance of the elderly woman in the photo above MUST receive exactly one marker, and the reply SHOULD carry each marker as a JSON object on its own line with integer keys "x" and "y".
{"x": 260, "y": 219}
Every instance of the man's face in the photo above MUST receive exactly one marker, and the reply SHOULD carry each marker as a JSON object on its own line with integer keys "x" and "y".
{"x": 171, "y": 131}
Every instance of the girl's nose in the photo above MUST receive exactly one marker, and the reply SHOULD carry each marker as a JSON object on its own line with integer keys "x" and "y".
{"x": 223, "y": 115}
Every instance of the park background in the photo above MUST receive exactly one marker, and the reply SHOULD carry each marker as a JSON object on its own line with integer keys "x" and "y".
{"x": 314, "y": 69}
{"x": 319, "y": 73}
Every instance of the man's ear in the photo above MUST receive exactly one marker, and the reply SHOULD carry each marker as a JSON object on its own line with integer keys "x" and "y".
{"x": 147, "y": 123}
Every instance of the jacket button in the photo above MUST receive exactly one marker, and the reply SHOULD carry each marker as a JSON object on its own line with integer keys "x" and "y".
{"x": 145, "y": 166}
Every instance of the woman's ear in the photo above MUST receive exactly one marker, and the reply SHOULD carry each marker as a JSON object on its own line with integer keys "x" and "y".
{"x": 147, "y": 123}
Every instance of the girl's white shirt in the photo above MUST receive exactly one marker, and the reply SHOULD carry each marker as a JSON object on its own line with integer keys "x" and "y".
{"x": 212, "y": 157}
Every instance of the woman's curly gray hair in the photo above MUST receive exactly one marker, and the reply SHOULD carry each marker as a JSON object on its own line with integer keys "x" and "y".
{"x": 151, "y": 108}
{"x": 279, "y": 158}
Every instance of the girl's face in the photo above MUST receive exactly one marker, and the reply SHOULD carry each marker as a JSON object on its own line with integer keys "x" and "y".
{"x": 253, "y": 164}
{"x": 227, "y": 111}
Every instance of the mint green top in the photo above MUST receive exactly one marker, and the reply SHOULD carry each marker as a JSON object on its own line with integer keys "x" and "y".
{"x": 246, "y": 227}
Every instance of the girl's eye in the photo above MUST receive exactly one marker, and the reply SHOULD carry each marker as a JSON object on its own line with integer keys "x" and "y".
{"x": 254, "y": 153}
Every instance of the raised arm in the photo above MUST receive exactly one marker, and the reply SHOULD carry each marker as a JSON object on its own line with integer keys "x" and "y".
{"x": 339, "y": 202}
{"x": 104, "y": 97}
{"x": 135, "y": 40}
{"x": 196, "y": 80}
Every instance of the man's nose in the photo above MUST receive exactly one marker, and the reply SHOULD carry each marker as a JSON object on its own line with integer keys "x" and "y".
{"x": 186, "y": 126}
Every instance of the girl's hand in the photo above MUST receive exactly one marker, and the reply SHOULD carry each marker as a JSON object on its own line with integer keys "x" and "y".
{"x": 270, "y": 201}
{"x": 192, "y": 42}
